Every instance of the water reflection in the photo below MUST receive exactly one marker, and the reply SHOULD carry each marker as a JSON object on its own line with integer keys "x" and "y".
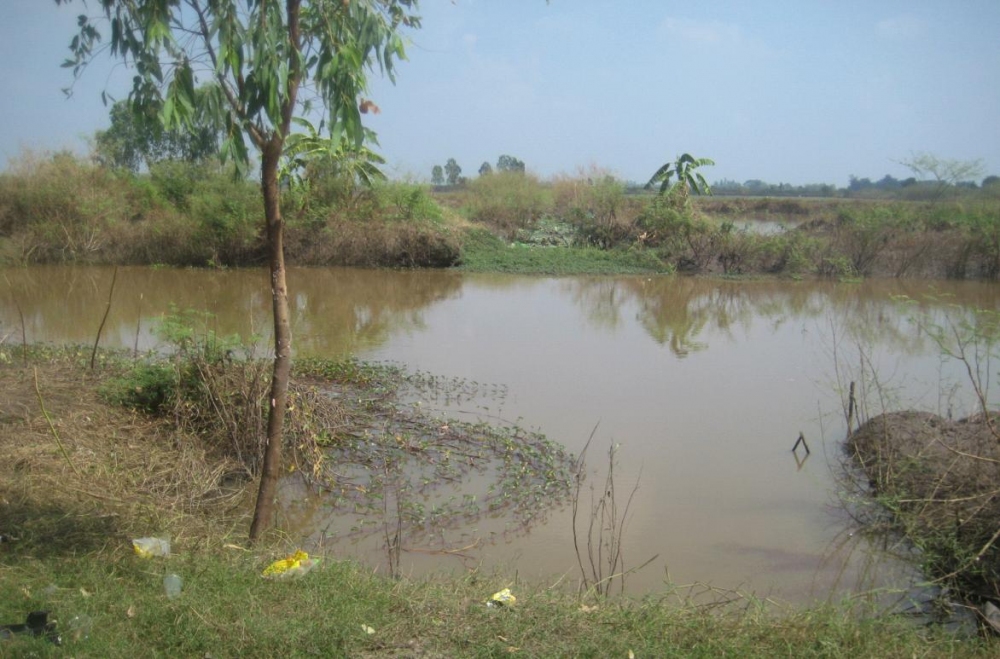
{"x": 705, "y": 384}
{"x": 334, "y": 311}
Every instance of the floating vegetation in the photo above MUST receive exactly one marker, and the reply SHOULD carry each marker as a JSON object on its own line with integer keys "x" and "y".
{"x": 395, "y": 468}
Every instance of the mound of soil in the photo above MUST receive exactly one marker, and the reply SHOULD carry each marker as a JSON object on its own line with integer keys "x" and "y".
{"x": 941, "y": 478}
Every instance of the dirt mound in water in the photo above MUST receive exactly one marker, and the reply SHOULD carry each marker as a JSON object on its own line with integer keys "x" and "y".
{"x": 941, "y": 479}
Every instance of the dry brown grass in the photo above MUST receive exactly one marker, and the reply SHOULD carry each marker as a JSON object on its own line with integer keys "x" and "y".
{"x": 124, "y": 473}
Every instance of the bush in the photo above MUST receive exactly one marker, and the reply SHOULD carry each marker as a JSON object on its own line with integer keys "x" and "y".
{"x": 405, "y": 202}
{"x": 202, "y": 386}
{"x": 863, "y": 233}
{"x": 145, "y": 387}
{"x": 792, "y": 252}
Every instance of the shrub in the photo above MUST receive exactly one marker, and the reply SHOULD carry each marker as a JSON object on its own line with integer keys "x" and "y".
{"x": 863, "y": 233}
{"x": 145, "y": 387}
{"x": 203, "y": 387}
{"x": 791, "y": 252}
{"x": 405, "y": 202}
{"x": 738, "y": 249}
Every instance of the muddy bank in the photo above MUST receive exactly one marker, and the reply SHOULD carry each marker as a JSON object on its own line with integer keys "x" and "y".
{"x": 941, "y": 481}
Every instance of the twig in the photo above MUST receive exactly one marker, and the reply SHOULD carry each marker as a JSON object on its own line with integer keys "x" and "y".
{"x": 138, "y": 326}
{"x": 107, "y": 310}
{"x": 24, "y": 335}
{"x": 52, "y": 427}
{"x": 802, "y": 438}
{"x": 580, "y": 472}
{"x": 850, "y": 411}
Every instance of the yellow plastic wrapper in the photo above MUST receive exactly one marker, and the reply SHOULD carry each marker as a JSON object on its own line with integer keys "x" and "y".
{"x": 292, "y": 566}
{"x": 149, "y": 547}
{"x": 502, "y": 598}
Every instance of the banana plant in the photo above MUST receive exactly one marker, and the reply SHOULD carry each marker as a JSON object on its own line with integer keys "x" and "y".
{"x": 343, "y": 156}
{"x": 683, "y": 170}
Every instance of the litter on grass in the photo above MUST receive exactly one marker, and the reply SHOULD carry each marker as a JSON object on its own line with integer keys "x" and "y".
{"x": 290, "y": 567}
{"x": 149, "y": 547}
{"x": 501, "y": 598}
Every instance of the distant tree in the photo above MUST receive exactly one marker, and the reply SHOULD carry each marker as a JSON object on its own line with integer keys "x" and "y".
{"x": 437, "y": 175}
{"x": 888, "y": 182}
{"x": 137, "y": 139}
{"x": 990, "y": 181}
{"x": 855, "y": 184}
{"x": 944, "y": 172}
{"x": 687, "y": 179}
{"x": 507, "y": 163}
{"x": 485, "y": 169}
{"x": 452, "y": 171}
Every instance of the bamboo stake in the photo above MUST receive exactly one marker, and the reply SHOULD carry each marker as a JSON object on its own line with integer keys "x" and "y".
{"x": 107, "y": 310}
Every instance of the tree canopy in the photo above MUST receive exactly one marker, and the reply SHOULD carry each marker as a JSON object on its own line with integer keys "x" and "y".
{"x": 138, "y": 140}
{"x": 506, "y": 163}
{"x": 252, "y": 60}
{"x": 452, "y": 171}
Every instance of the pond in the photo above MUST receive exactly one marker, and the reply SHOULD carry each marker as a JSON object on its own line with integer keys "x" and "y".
{"x": 702, "y": 385}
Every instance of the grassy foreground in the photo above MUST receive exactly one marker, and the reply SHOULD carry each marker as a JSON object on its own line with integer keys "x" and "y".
{"x": 80, "y": 478}
{"x": 226, "y": 610}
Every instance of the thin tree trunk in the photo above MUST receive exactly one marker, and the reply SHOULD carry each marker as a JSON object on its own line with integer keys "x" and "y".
{"x": 264, "y": 509}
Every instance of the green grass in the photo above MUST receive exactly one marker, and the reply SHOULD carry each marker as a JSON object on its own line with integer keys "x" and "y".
{"x": 484, "y": 252}
{"x": 226, "y": 610}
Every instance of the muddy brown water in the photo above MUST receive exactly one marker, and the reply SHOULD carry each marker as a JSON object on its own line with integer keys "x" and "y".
{"x": 704, "y": 385}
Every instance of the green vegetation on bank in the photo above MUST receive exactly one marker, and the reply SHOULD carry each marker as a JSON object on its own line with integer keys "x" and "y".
{"x": 341, "y": 609}
{"x": 74, "y": 494}
{"x": 62, "y": 209}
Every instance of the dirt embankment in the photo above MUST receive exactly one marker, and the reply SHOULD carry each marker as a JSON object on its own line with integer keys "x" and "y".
{"x": 941, "y": 479}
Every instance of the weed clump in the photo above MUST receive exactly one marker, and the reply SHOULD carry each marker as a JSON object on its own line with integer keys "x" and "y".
{"x": 939, "y": 480}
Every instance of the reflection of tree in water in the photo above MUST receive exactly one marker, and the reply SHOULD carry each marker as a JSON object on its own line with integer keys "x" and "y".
{"x": 339, "y": 311}
{"x": 335, "y": 311}
{"x": 677, "y": 311}
{"x": 600, "y": 299}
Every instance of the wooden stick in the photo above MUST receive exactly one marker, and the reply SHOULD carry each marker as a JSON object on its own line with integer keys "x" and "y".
{"x": 801, "y": 440}
{"x": 851, "y": 403}
{"x": 107, "y": 310}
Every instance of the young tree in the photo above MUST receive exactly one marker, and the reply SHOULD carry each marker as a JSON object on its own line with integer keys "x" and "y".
{"x": 452, "y": 171}
{"x": 485, "y": 169}
{"x": 261, "y": 62}
{"x": 437, "y": 175}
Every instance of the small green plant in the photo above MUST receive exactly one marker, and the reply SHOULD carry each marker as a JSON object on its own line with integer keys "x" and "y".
{"x": 145, "y": 387}
{"x": 406, "y": 202}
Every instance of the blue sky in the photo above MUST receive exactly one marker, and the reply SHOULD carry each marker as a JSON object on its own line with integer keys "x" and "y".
{"x": 798, "y": 92}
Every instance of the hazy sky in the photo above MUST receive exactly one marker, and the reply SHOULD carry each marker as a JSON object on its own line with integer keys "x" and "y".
{"x": 799, "y": 92}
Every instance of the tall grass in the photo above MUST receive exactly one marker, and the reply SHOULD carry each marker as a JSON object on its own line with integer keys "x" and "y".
{"x": 507, "y": 201}
{"x": 63, "y": 209}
